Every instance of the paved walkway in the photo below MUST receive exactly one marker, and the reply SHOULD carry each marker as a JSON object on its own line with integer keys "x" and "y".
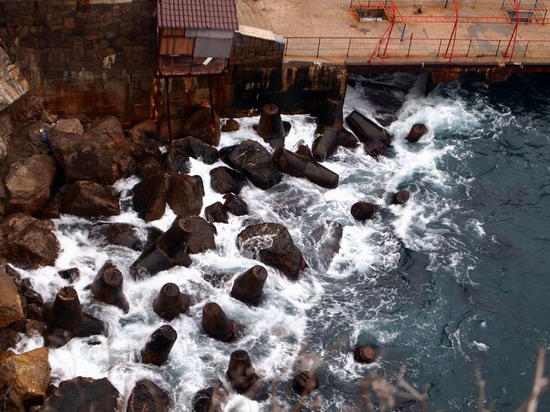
{"x": 329, "y": 30}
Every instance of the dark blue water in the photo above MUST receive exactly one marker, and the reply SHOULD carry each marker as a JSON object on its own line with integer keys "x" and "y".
{"x": 471, "y": 288}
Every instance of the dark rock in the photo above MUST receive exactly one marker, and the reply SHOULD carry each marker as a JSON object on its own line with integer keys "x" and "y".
{"x": 8, "y": 338}
{"x": 90, "y": 199}
{"x": 347, "y": 139}
{"x": 202, "y": 236}
{"x": 107, "y": 286}
{"x": 185, "y": 195}
{"x": 329, "y": 126}
{"x": 177, "y": 160}
{"x": 11, "y": 307}
{"x": 254, "y": 161}
{"x": 83, "y": 159}
{"x": 65, "y": 319}
{"x": 71, "y": 275}
{"x": 83, "y": 395}
{"x": 28, "y": 242}
{"x": 210, "y": 399}
{"x": 30, "y": 183}
{"x": 248, "y": 286}
{"x": 199, "y": 150}
{"x": 145, "y": 149}
{"x": 298, "y": 166}
{"x": 304, "y": 151}
{"x": 401, "y": 197}
{"x": 271, "y": 127}
{"x": 235, "y": 205}
{"x": 364, "y": 354}
{"x": 108, "y": 127}
{"x": 149, "y": 167}
{"x": 226, "y": 180}
{"x": 150, "y": 196}
{"x": 272, "y": 244}
{"x": 216, "y": 212}
{"x": 241, "y": 374}
{"x": 167, "y": 251}
{"x": 216, "y": 323}
{"x": 120, "y": 234}
{"x": 28, "y": 293}
{"x": 164, "y": 130}
{"x": 147, "y": 129}
{"x": 417, "y": 131}
{"x": 363, "y": 210}
{"x": 148, "y": 397}
{"x": 203, "y": 124}
{"x": 69, "y": 126}
{"x": 304, "y": 383}
{"x": 52, "y": 208}
{"x": 170, "y": 302}
{"x": 231, "y": 125}
{"x": 158, "y": 347}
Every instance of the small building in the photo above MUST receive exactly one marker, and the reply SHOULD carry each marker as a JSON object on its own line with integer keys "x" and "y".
{"x": 195, "y": 37}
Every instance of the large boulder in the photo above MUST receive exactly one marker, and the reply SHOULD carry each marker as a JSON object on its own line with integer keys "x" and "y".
{"x": 254, "y": 161}
{"x": 150, "y": 196}
{"x": 27, "y": 375}
{"x": 69, "y": 126}
{"x": 90, "y": 199}
{"x": 185, "y": 195}
{"x": 199, "y": 150}
{"x": 11, "y": 308}
{"x": 272, "y": 244}
{"x": 202, "y": 235}
{"x": 226, "y": 180}
{"x": 120, "y": 234}
{"x": 108, "y": 128}
{"x": 147, "y": 129}
{"x": 177, "y": 160}
{"x": 83, "y": 395}
{"x": 30, "y": 183}
{"x": 417, "y": 131}
{"x": 83, "y": 159}
{"x": 147, "y": 396}
{"x": 203, "y": 124}
{"x": 28, "y": 242}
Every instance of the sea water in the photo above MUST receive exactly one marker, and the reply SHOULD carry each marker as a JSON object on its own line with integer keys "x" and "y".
{"x": 454, "y": 281}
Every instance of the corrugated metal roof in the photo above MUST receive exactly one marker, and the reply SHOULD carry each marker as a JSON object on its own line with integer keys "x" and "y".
{"x": 197, "y": 14}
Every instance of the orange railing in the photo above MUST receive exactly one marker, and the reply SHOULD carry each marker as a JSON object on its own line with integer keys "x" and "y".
{"x": 359, "y": 49}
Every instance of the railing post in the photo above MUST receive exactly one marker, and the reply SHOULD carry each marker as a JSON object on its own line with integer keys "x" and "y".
{"x": 318, "y": 46}
{"x": 498, "y": 48}
{"x": 526, "y": 47}
{"x": 469, "y": 46}
{"x": 439, "y": 49}
{"x": 286, "y": 47}
{"x": 410, "y": 43}
{"x": 349, "y": 47}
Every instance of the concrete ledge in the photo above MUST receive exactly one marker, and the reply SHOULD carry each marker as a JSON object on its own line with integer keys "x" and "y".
{"x": 260, "y": 34}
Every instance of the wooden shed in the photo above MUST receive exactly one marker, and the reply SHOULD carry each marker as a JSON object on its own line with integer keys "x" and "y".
{"x": 195, "y": 37}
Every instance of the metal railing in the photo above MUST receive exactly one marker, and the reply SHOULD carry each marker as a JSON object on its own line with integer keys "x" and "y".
{"x": 360, "y": 48}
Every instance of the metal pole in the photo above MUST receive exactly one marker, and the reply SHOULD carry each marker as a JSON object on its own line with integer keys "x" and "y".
{"x": 403, "y": 31}
{"x": 410, "y": 43}
{"x": 349, "y": 47}
{"x": 167, "y": 86}
{"x": 439, "y": 49}
{"x": 318, "y": 46}
{"x": 498, "y": 48}
{"x": 469, "y": 45}
{"x": 526, "y": 47}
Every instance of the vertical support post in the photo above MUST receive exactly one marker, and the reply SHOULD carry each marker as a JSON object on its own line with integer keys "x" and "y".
{"x": 526, "y": 47}
{"x": 512, "y": 42}
{"x": 439, "y": 48}
{"x": 167, "y": 87}
{"x": 498, "y": 48}
{"x": 410, "y": 43}
{"x": 318, "y": 46}
{"x": 349, "y": 47}
{"x": 403, "y": 31}
{"x": 452, "y": 40}
{"x": 469, "y": 46}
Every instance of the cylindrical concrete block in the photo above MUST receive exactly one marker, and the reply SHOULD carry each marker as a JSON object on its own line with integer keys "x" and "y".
{"x": 417, "y": 131}
{"x": 66, "y": 309}
{"x": 298, "y": 166}
{"x": 364, "y": 354}
{"x": 304, "y": 383}
{"x": 170, "y": 302}
{"x": 240, "y": 372}
{"x": 216, "y": 323}
{"x": 401, "y": 197}
{"x": 271, "y": 127}
{"x": 107, "y": 286}
{"x": 158, "y": 347}
{"x": 248, "y": 286}
{"x": 362, "y": 210}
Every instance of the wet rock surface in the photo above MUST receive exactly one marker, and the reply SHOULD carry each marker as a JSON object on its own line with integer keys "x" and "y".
{"x": 83, "y": 394}
{"x": 90, "y": 199}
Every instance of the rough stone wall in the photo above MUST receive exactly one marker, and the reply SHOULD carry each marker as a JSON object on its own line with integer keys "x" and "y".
{"x": 82, "y": 57}
{"x": 12, "y": 84}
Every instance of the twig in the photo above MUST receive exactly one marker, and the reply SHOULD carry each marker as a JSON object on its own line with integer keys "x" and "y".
{"x": 539, "y": 386}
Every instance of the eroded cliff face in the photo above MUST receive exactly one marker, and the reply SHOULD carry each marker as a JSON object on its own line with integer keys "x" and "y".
{"x": 12, "y": 83}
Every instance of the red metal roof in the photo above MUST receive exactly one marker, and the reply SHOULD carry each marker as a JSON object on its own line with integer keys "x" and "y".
{"x": 197, "y": 14}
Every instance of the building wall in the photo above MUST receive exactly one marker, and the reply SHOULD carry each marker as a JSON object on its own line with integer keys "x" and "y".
{"x": 84, "y": 58}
